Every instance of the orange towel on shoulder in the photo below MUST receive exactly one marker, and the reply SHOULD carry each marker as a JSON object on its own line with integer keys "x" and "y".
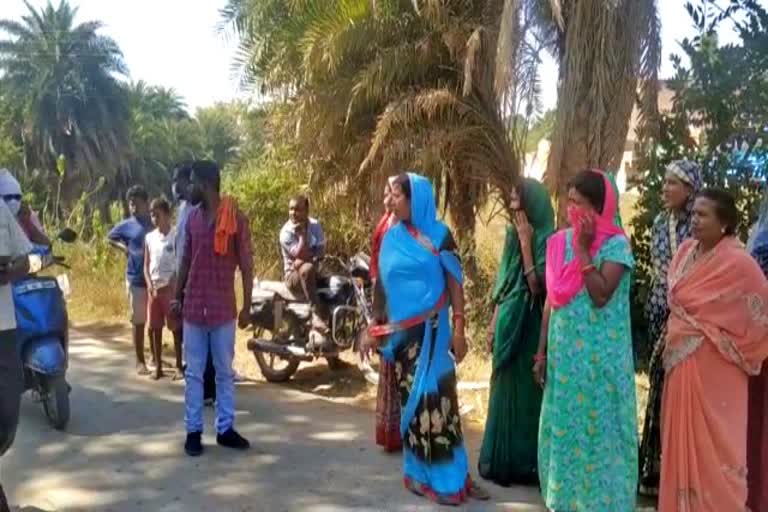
{"x": 226, "y": 225}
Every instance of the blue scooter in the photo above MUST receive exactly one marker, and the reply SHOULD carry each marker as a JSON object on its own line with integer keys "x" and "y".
{"x": 43, "y": 333}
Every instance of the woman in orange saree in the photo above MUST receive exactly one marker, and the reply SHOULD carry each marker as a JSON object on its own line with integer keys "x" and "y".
{"x": 717, "y": 337}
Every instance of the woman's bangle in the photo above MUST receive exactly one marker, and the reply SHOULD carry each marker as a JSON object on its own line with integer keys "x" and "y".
{"x": 539, "y": 358}
{"x": 458, "y": 316}
{"x": 529, "y": 271}
{"x": 586, "y": 269}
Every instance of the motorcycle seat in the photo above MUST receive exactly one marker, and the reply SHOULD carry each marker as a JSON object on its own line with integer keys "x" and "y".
{"x": 279, "y": 288}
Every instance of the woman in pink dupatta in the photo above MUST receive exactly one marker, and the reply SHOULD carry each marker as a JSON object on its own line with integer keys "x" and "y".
{"x": 588, "y": 425}
{"x": 717, "y": 337}
{"x": 387, "y": 396}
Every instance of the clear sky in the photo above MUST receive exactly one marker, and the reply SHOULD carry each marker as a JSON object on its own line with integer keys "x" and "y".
{"x": 174, "y": 43}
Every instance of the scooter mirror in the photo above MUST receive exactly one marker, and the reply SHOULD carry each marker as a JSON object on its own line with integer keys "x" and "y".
{"x": 35, "y": 263}
{"x": 68, "y": 235}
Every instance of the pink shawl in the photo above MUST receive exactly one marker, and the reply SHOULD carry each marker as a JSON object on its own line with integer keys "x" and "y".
{"x": 565, "y": 280}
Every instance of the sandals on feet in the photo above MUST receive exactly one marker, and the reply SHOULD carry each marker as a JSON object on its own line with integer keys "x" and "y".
{"x": 478, "y": 492}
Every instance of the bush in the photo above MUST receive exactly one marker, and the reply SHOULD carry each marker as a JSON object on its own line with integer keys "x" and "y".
{"x": 97, "y": 274}
{"x": 263, "y": 188}
{"x": 723, "y": 93}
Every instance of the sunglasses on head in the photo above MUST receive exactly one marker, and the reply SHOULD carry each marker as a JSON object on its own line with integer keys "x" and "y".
{"x": 12, "y": 197}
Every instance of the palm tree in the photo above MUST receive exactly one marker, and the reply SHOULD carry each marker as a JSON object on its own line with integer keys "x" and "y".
{"x": 609, "y": 54}
{"x": 156, "y": 101}
{"x": 62, "y": 77}
{"x": 373, "y": 88}
{"x": 221, "y": 129}
{"x": 156, "y": 114}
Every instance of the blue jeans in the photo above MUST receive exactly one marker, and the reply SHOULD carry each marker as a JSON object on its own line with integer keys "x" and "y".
{"x": 220, "y": 340}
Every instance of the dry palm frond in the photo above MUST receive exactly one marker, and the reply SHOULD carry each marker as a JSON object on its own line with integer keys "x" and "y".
{"x": 508, "y": 44}
{"x": 455, "y": 127}
{"x": 412, "y": 110}
{"x": 393, "y": 69}
{"x": 472, "y": 60}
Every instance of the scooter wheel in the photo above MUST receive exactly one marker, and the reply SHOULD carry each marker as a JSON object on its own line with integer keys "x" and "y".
{"x": 56, "y": 402}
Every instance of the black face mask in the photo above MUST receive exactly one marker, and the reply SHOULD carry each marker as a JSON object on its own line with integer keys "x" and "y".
{"x": 195, "y": 196}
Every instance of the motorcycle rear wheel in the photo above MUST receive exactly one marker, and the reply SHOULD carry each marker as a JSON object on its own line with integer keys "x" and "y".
{"x": 56, "y": 401}
{"x": 270, "y": 369}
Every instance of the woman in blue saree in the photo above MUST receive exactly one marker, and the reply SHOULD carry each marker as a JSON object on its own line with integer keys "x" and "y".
{"x": 420, "y": 279}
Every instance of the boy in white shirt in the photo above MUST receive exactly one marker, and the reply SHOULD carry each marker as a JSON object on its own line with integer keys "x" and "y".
{"x": 160, "y": 274}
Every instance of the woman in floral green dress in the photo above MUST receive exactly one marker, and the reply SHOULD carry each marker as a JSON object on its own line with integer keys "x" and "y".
{"x": 588, "y": 430}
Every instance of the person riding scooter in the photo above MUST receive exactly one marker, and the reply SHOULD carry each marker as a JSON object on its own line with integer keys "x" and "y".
{"x": 10, "y": 192}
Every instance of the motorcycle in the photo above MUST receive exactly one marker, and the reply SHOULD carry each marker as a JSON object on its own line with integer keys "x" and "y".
{"x": 42, "y": 332}
{"x": 347, "y": 297}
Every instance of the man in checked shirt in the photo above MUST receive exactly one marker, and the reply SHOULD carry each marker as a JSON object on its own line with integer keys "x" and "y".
{"x": 217, "y": 242}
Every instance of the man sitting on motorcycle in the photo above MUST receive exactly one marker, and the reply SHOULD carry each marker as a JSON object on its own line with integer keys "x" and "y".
{"x": 302, "y": 245}
{"x": 10, "y": 192}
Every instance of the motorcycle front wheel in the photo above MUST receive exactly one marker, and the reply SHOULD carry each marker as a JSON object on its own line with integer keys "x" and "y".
{"x": 56, "y": 401}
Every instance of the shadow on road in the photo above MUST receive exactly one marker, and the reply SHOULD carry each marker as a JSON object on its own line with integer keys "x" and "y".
{"x": 123, "y": 451}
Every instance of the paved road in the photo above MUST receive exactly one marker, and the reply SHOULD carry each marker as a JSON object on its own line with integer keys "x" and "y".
{"x": 122, "y": 452}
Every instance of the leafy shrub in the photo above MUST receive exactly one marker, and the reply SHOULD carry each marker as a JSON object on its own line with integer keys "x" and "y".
{"x": 721, "y": 92}
{"x": 262, "y": 188}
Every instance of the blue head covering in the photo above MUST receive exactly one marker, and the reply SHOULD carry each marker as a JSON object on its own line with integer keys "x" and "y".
{"x": 410, "y": 269}
{"x": 424, "y": 206}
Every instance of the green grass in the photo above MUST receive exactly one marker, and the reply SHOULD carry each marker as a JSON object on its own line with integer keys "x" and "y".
{"x": 97, "y": 279}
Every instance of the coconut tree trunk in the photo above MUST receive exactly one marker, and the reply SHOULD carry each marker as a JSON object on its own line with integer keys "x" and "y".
{"x": 464, "y": 217}
{"x": 607, "y": 50}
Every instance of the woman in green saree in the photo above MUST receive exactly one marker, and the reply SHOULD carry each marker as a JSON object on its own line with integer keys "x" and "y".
{"x": 509, "y": 452}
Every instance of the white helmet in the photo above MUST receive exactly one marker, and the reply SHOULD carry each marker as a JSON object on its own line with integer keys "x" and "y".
{"x": 10, "y": 191}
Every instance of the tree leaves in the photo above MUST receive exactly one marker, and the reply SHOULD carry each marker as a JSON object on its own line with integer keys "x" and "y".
{"x": 720, "y": 101}
{"x": 62, "y": 78}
